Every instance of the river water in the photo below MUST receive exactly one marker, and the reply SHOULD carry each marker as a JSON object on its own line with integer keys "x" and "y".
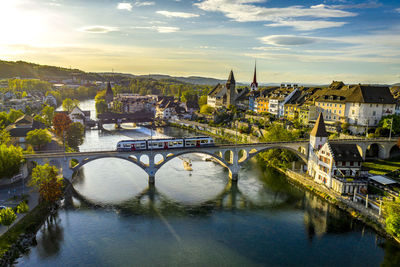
{"x": 198, "y": 218}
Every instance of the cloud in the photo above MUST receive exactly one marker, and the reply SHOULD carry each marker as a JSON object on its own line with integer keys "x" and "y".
{"x": 98, "y": 29}
{"x": 398, "y": 10}
{"x": 160, "y": 29}
{"x": 170, "y": 14}
{"x": 282, "y": 40}
{"x": 125, "y": 6}
{"x": 145, "y": 3}
{"x": 246, "y": 11}
{"x": 370, "y": 4}
{"x": 307, "y": 25}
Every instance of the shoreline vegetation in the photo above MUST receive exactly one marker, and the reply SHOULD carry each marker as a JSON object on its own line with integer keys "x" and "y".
{"x": 378, "y": 226}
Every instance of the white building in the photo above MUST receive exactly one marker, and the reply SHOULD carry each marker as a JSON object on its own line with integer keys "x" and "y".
{"x": 337, "y": 166}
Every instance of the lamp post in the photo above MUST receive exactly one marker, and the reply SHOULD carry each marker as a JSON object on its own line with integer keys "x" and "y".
{"x": 391, "y": 126}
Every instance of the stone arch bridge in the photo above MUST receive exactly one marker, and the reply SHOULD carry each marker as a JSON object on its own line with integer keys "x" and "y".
{"x": 233, "y": 157}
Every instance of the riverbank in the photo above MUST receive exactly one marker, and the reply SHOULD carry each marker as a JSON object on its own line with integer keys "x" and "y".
{"x": 356, "y": 210}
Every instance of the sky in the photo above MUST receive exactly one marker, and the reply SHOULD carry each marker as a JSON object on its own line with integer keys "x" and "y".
{"x": 302, "y": 41}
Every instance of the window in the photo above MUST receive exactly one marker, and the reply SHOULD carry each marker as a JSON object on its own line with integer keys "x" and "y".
{"x": 374, "y": 113}
{"x": 352, "y": 112}
{"x": 351, "y": 163}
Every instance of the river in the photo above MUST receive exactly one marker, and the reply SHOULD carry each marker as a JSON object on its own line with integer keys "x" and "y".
{"x": 198, "y": 218}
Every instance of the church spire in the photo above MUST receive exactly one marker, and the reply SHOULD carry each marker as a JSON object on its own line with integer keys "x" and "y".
{"x": 254, "y": 84}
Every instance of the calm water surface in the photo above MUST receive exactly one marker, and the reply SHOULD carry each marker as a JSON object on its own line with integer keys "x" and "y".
{"x": 198, "y": 218}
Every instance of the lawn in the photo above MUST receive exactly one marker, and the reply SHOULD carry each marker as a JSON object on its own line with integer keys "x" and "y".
{"x": 383, "y": 166}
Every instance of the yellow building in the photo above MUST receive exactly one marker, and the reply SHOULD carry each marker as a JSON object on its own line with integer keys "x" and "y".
{"x": 262, "y": 104}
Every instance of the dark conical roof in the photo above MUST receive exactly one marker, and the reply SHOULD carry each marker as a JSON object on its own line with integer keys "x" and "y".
{"x": 319, "y": 129}
{"x": 255, "y": 77}
{"x": 231, "y": 78}
{"x": 109, "y": 90}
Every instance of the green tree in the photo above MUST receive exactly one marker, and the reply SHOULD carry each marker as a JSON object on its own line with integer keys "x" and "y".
{"x": 68, "y": 104}
{"x": 203, "y": 100}
{"x": 24, "y": 94}
{"x": 390, "y": 121}
{"x": 4, "y": 120}
{"x": 7, "y": 217}
{"x": 48, "y": 114}
{"x": 10, "y": 160}
{"x": 278, "y": 157}
{"x": 38, "y": 138}
{"x": 101, "y": 106}
{"x": 4, "y": 137}
{"x": 22, "y": 207}
{"x": 45, "y": 179}
{"x": 392, "y": 210}
{"x": 75, "y": 135}
{"x": 13, "y": 115}
{"x": 206, "y": 109}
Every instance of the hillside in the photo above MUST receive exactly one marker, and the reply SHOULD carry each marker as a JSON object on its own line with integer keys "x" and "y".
{"x": 10, "y": 69}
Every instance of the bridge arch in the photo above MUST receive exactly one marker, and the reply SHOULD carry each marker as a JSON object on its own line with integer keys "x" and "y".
{"x": 374, "y": 150}
{"x": 394, "y": 151}
{"x": 297, "y": 152}
{"x": 87, "y": 160}
{"x": 220, "y": 160}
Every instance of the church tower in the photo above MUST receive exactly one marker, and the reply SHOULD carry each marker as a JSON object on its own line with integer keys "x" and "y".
{"x": 254, "y": 84}
{"x": 230, "y": 90}
{"x": 109, "y": 94}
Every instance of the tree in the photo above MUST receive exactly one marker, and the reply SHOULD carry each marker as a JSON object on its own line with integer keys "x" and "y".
{"x": 38, "y": 138}
{"x": 206, "y": 109}
{"x": 46, "y": 180}
{"x": 13, "y": 115}
{"x": 68, "y": 104}
{"x": 75, "y": 135}
{"x": 4, "y": 137}
{"x": 4, "y": 120}
{"x": 48, "y": 114}
{"x": 7, "y": 216}
{"x": 393, "y": 218}
{"x": 203, "y": 100}
{"x": 22, "y": 207}
{"x": 61, "y": 122}
{"x": 390, "y": 121}
{"x": 101, "y": 106}
{"x": 10, "y": 160}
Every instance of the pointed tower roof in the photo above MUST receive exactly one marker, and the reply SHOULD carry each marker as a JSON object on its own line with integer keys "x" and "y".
{"x": 231, "y": 78}
{"x": 319, "y": 129}
{"x": 109, "y": 90}
{"x": 254, "y": 83}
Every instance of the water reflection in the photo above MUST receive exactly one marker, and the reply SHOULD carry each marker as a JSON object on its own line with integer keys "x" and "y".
{"x": 51, "y": 237}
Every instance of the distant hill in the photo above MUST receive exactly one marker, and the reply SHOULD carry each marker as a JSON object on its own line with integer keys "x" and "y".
{"x": 21, "y": 69}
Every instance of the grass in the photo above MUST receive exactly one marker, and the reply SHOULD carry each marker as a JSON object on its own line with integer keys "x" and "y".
{"x": 382, "y": 166}
{"x": 27, "y": 224}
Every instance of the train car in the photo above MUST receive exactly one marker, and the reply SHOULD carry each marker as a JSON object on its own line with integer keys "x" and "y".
{"x": 199, "y": 141}
{"x": 166, "y": 143}
{"x": 131, "y": 145}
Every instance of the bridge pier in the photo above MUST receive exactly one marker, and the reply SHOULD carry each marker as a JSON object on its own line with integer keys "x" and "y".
{"x": 233, "y": 175}
{"x": 151, "y": 179}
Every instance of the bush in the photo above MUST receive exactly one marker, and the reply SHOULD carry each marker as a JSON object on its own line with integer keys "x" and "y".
{"x": 7, "y": 217}
{"x": 22, "y": 207}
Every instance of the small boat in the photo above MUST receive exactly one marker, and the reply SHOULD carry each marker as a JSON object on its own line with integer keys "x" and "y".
{"x": 187, "y": 165}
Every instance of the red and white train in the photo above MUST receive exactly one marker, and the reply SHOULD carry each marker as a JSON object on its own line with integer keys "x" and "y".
{"x": 167, "y": 143}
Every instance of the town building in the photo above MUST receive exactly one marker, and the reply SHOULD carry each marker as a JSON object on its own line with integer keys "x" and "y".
{"x": 20, "y": 128}
{"x": 337, "y": 166}
{"x": 78, "y": 115}
{"x": 224, "y": 95}
{"x": 109, "y": 97}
